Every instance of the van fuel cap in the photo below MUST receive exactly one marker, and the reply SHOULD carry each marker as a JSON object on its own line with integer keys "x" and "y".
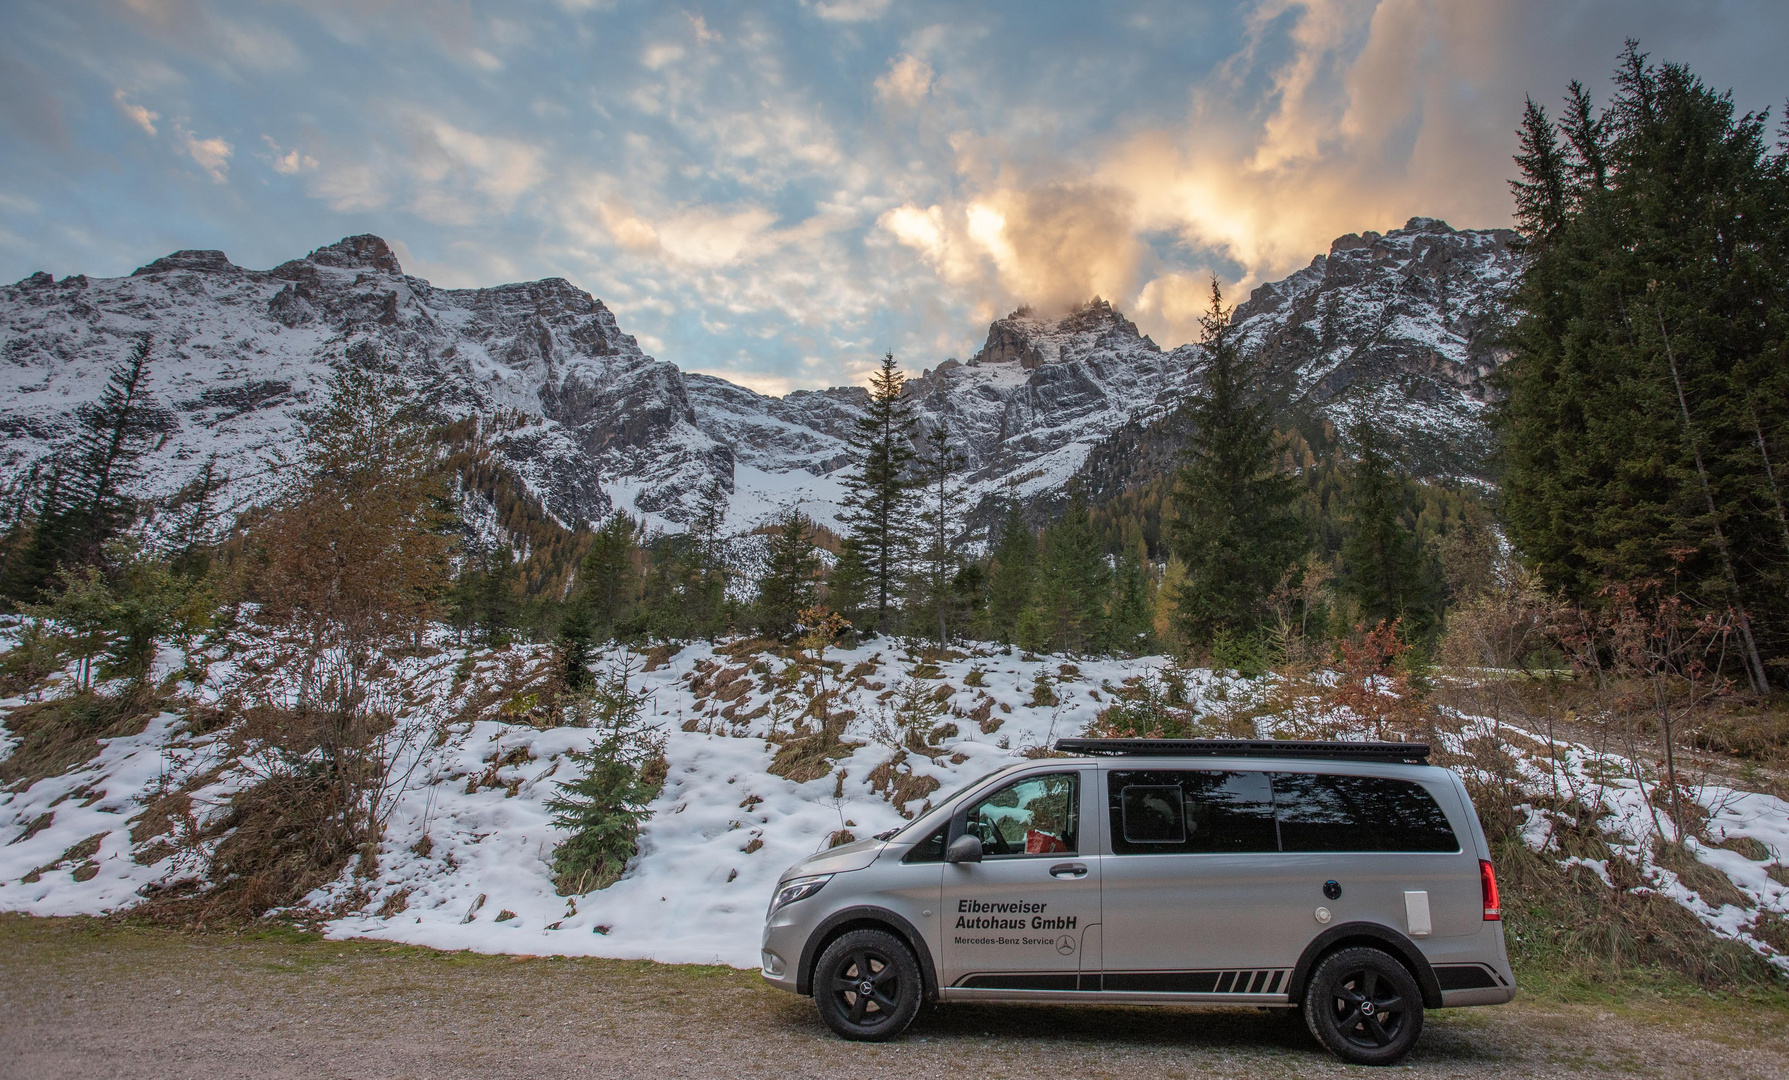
{"x": 1332, "y": 889}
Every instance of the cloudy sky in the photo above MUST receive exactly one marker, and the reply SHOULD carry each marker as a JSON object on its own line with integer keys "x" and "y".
{"x": 776, "y": 192}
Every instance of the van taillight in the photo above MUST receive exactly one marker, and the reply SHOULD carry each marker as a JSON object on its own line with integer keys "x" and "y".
{"x": 1487, "y": 880}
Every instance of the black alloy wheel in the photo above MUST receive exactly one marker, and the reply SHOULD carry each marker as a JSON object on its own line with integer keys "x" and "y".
{"x": 867, "y": 985}
{"x": 1364, "y": 1006}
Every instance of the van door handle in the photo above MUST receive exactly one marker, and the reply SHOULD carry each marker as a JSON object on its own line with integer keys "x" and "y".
{"x": 1069, "y": 869}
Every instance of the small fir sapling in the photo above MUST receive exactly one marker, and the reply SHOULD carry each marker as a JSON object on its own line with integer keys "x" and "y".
{"x": 601, "y": 808}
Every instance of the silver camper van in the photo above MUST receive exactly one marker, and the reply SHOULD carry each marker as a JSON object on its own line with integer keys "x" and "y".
{"x": 1349, "y": 880}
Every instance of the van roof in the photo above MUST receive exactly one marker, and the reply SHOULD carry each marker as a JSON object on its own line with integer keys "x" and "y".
{"x": 1399, "y": 752}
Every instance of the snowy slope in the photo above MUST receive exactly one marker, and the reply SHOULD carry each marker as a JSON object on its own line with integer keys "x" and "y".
{"x": 724, "y": 826}
{"x": 1401, "y": 324}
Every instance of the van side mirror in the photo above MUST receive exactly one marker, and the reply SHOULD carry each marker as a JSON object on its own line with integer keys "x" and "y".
{"x": 964, "y": 849}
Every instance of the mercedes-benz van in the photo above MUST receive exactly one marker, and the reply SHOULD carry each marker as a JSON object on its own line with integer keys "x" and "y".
{"x": 1348, "y": 880}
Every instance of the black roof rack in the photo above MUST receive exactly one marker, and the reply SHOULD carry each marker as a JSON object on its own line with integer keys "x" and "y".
{"x": 1412, "y": 753}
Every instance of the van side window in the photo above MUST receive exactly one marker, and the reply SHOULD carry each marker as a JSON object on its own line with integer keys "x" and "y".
{"x": 1159, "y": 812}
{"x": 1039, "y": 815}
{"x": 1326, "y": 812}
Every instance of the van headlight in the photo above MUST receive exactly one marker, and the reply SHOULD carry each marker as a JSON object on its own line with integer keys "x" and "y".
{"x": 799, "y": 889}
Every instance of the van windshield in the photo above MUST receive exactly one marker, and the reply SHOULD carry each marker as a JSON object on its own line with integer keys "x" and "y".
{"x": 949, "y": 797}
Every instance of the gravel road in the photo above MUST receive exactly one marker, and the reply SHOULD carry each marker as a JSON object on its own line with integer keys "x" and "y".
{"x": 85, "y": 999}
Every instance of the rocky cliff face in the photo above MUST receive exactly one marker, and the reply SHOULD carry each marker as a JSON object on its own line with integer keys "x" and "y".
{"x": 1401, "y": 327}
{"x": 572, "y": 402}
{"x": 1401, "y": 324}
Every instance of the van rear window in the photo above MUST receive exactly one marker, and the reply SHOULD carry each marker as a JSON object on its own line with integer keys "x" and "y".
{"x": 1157, "y": 812}
{"x": 1329, "y": 812}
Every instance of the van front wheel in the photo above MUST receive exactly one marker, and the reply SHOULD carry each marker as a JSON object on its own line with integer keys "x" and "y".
{"x": 1364, "y": 1007}
{"x": 867, "y": 985}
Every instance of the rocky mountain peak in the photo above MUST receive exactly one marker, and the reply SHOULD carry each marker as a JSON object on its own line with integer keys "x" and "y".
{"x": 363, "y": 252}
{"x": 207, "y": 262}
{"x": 1034, "y": 341}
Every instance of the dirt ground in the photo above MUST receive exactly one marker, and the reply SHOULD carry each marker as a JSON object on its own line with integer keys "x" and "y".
{"x": 81, "y": 998}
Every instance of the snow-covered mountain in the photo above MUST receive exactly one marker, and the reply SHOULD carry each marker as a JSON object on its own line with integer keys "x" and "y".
{"x": 590, "y": 423}
{"x": 1403, "y": 326}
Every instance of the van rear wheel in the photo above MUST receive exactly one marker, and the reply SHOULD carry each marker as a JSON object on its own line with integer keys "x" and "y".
{"x": 1364, "y": 1007}
{"x": 867, "y": 985}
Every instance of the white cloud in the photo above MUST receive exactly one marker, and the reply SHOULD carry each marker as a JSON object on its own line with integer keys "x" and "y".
{"x": 657, "y": 56}
{"x": 460, "y": 176}
{"x": 256, "y": 48}
{"x": 350, "y": 185}
{"x": 287, "y": 162}
{"x": 212, "y": 155}
{"x": 851, "y": 10}
{"x": 711, "y": 237}
{"x": 135, "y": 113}
{"x": 907, "y": 80}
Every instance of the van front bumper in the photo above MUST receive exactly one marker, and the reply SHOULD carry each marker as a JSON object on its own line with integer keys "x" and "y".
{"x": 784, "y": 936}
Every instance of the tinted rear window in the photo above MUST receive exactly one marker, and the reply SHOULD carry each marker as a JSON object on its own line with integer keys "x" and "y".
{"x": 1326, "y": 812}
{"x": 1158, "y": 812}
{"x": 1161, "y": 812}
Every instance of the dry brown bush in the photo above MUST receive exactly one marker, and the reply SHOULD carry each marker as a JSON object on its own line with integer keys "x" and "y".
{"x": 348, "y": 569}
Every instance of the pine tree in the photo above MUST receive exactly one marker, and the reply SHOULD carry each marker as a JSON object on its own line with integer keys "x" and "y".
{"x": 1011, "y": 577}
{"x": 1382, "y": 566}
{"x": 790, "y": 581}
{"x": 1073, "y": 580}
{"x": 85, "y": 504}
{"x": 1234, "y": 527}
{"x": 577, "y": 634}
{"x": 602, "y": 806}
{"x": 114, "y": 435}
{"x": 1644, "y": 403}
{"x": 878, "y": 491}
{"x": 196, "y": 529}
{"x": 847, "y": 586}
{"x": 609, "y": 579}
{"x": 1541, "y": 193}
{"x": 706, "y": 568}
{"x": 938, "y": 470}
{"x": 1131, "y": 614}
{"x": 496, "y": 601}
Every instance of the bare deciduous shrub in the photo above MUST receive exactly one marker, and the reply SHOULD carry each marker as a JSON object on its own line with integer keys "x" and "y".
{"x": 348, "y": 572}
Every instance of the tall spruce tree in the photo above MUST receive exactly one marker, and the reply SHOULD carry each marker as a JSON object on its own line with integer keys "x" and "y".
{"x": 1382, "y": 565}
{"x": 1644, "y": 403}
{"x": 86, "y": 503}
{"x": 791, "y": 576}
{"x": 847, "y": 585}
{"x": 497, "y": 601}
{"x": 1234, "y": 524}
{"x": 609, "y": 578}
{"x": 1130, "y": 615}
{"x": 878, "y": 492}
{"x": 1068, "y": 611}
{"x": 1011, "y": 577}
{"x": 940, "y": 501}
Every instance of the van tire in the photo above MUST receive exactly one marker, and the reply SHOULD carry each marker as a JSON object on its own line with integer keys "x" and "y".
{"x": 887, "y": 964}
{"x": 1349, "y": 995}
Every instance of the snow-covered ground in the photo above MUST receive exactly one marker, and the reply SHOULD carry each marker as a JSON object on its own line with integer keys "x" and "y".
{"x": 724, "y": 826}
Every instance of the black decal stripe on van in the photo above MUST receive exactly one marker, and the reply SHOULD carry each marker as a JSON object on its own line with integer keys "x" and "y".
{"x": 1021, "y": 980}
{"x": 1464, "y": 977}
{"x": 1195, "y": 982}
